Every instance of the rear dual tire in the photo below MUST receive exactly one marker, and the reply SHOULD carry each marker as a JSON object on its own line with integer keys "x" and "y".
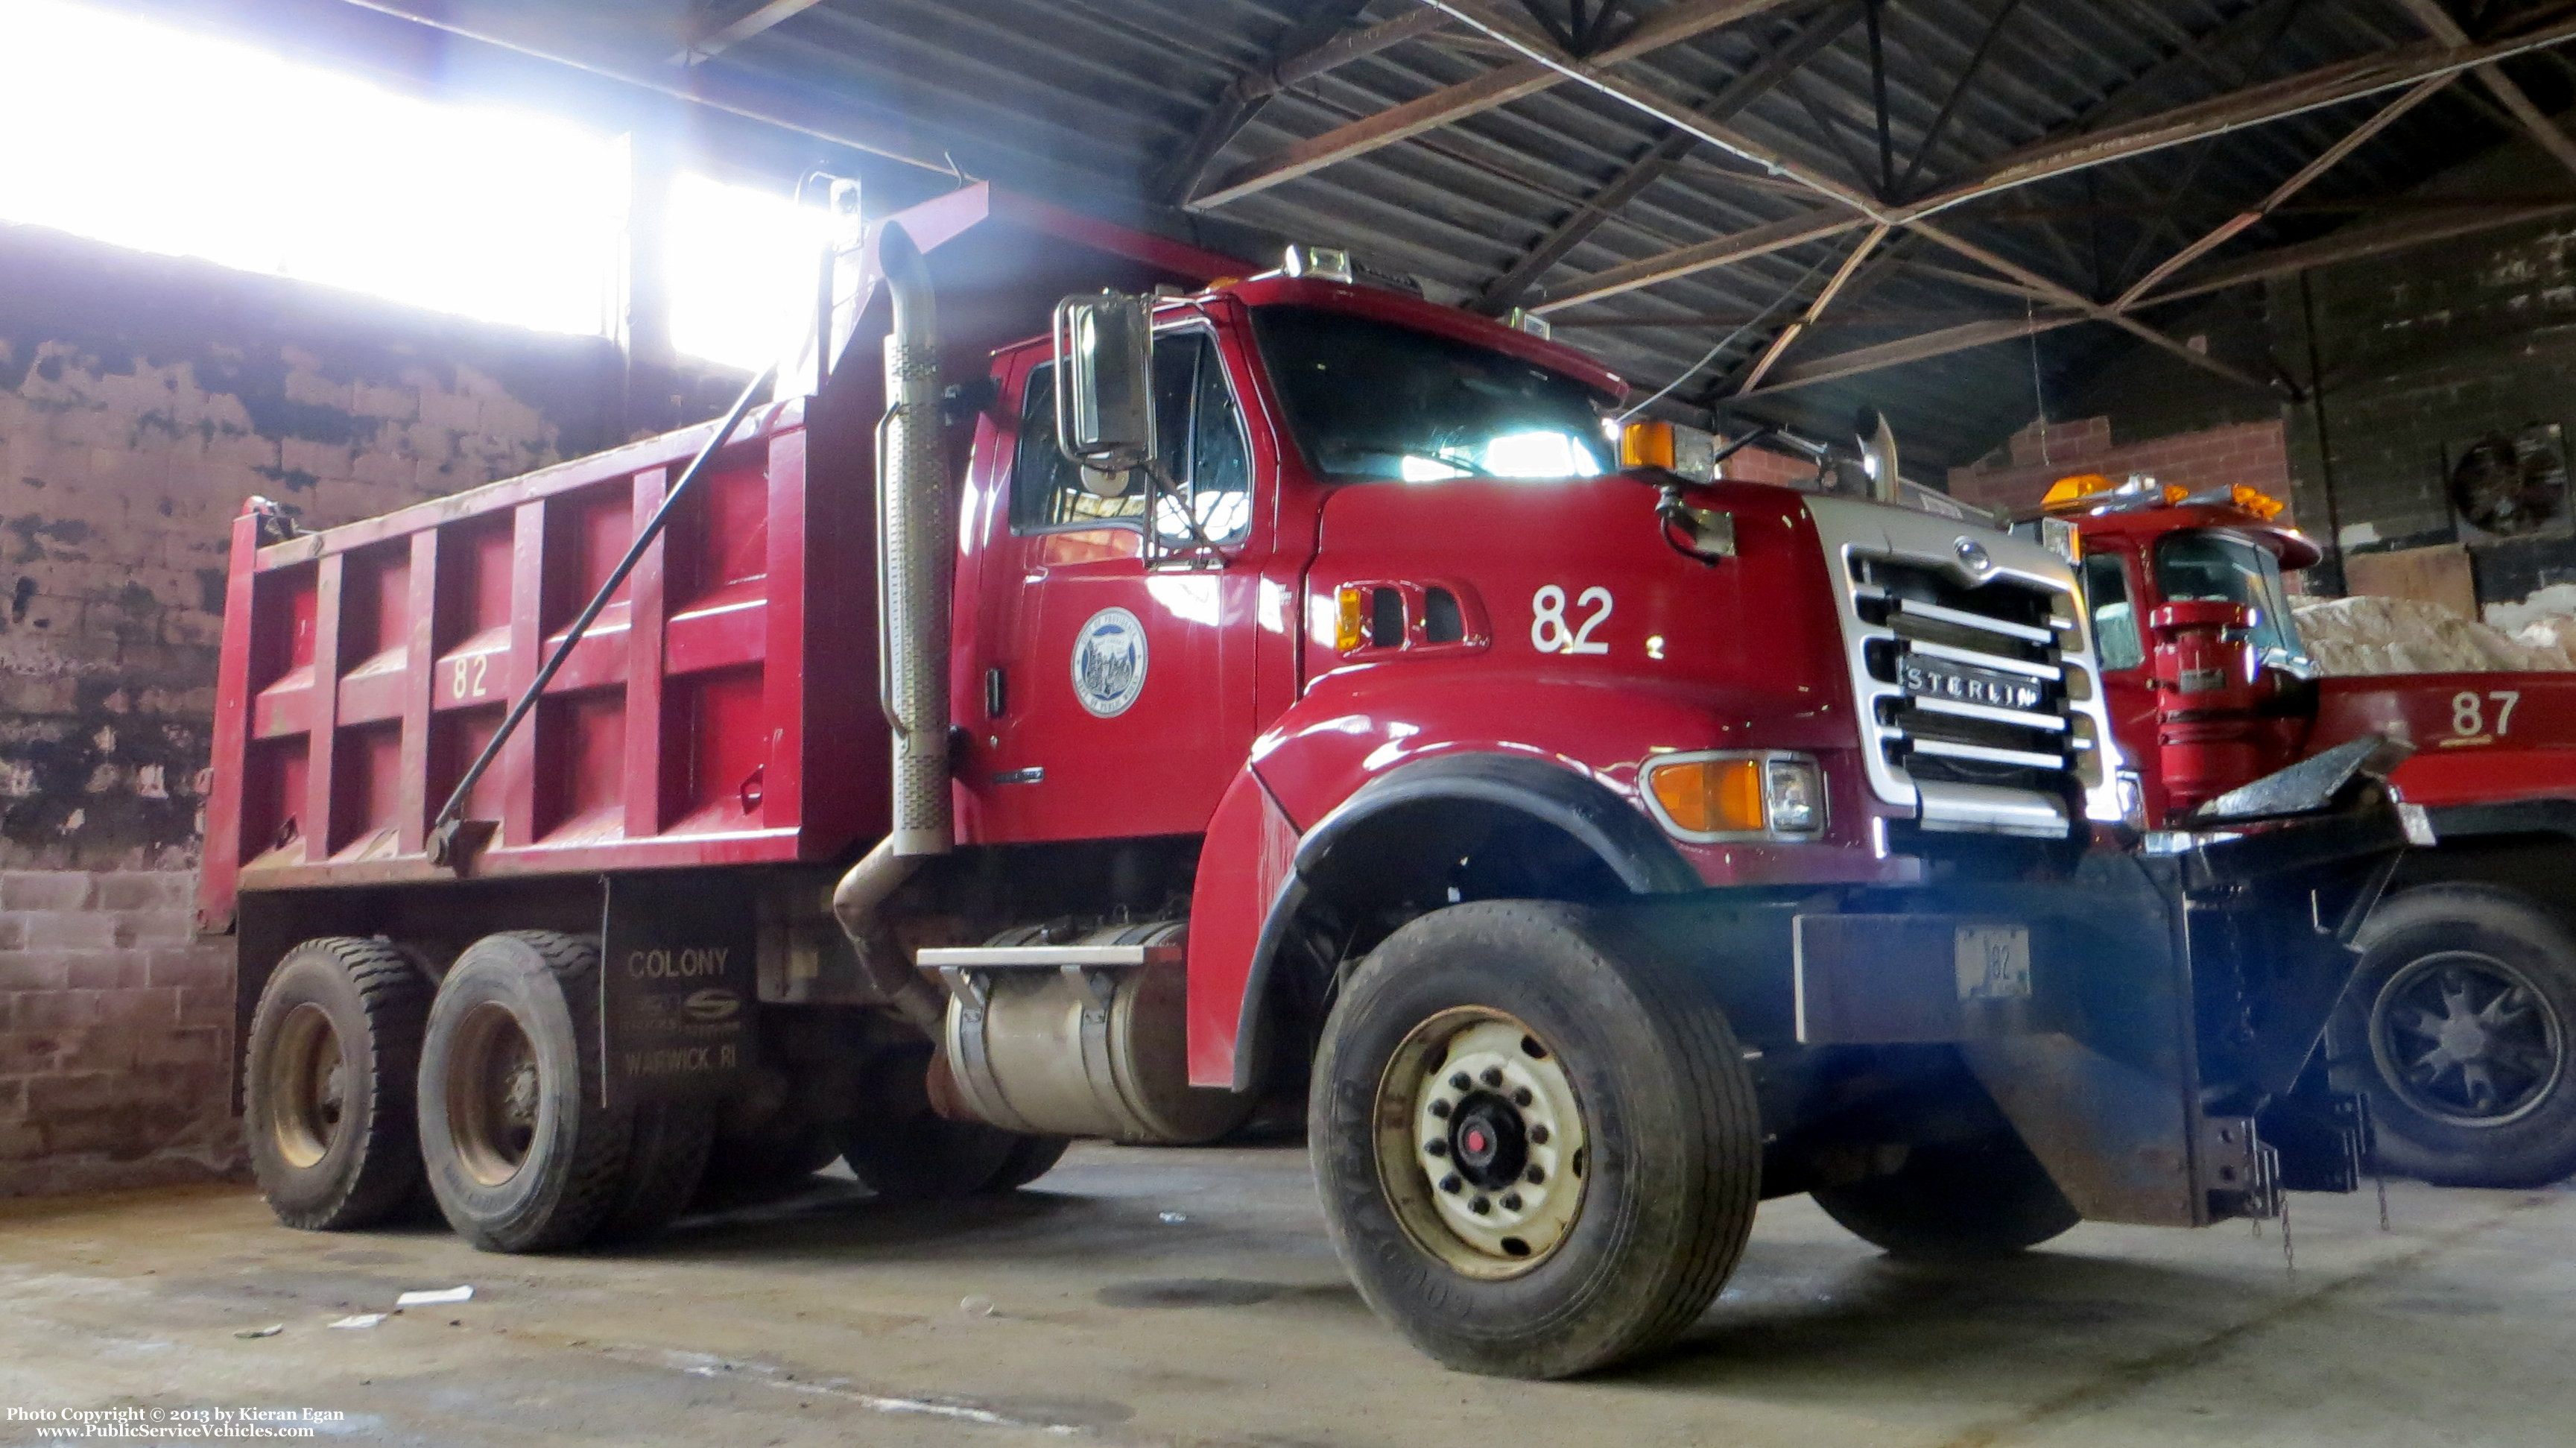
{"x": 328, "y": 1084}
{"x": 1585, "y": 1059}
{"x": 521, "y": 1153}
{"x": 901, "y": 1148}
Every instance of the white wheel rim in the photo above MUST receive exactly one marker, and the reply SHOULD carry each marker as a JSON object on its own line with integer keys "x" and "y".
{"x": 1481, "y": 1143}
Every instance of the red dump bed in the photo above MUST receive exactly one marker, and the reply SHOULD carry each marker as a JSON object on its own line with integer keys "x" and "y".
{"x": 721, "y": 711}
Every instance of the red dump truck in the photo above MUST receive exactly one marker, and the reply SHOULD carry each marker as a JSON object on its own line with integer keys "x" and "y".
{"x": 1153, "y": 689}
{"x": 2457, "y": 1026}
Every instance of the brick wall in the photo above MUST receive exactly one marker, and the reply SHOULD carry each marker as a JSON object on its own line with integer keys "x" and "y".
{"x": 2255, "y": 454}
{"x": 2423, "y": 353}
{"x": 141, "y": 400}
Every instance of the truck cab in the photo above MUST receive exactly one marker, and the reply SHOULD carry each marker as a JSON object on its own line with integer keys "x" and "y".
{"x": 2457, "y": 1023}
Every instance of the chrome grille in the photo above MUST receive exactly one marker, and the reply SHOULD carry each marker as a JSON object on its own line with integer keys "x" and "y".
{"x": 1980, "y": 696}
{"x": 1972, "y": 672}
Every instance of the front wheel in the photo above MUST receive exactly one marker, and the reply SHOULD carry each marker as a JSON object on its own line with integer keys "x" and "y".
{"x": 1966, "y": 1202}
{"x": 2457, "y": 1026}
{"x": 1537, "y": 1144}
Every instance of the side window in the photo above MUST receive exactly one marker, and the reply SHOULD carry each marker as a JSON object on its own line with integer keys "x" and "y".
{"x": 2115, "y": 619}
{"x": 1202, "y": 441}
{"x": 1046, "y": 486}
{"x": 1220, "y": 462}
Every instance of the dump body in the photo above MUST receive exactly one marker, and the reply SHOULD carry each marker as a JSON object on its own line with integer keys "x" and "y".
{"x": 721, "y": 711}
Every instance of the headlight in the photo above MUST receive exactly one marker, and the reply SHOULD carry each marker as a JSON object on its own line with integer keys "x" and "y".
{"x": 1759, "y": 795}
{"x": 1794, "y": 793}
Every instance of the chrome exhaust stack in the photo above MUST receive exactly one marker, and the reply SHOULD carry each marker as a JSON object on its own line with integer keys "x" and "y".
{"x": 914, "y": 556}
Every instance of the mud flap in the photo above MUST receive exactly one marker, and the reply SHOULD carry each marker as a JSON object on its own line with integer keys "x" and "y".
{"x": 677, "y": 986}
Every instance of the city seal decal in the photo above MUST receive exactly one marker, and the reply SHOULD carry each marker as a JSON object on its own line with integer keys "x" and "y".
{"x": 1109, "y": 662}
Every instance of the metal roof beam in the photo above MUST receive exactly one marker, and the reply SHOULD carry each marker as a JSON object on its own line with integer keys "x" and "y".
{"x": 1841, "y": 319}
{"x": 2093, "y": 310}
{"x": 708, "y": 39}
{"x": 2354, "y": 243}
{"x": 710, "y": 87}
{"x": 2332, "y": 156}
{"x": 2438, "y": 22}
{"x": 1958, "y": 93}
{"x": 1310, "y": 47}
{"x": 1911, "y": 349}
{"x": 1659, "y": 159}
{"x": 2350, "y": 244}
{"x": 2201, "y": 54}
{"x": 1789, "y": 334}
{"x": 2256, "y": 105}
{"x": 1500, "y": 86}
{"x": 2293, "y": 95}
{"x": 1727, "y": 250}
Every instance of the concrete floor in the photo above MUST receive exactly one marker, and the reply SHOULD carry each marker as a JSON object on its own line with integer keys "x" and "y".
{"x": 826, "y": 1318}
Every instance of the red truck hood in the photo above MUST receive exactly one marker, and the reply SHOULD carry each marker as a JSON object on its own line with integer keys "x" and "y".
{"x": 2478, "y": 737}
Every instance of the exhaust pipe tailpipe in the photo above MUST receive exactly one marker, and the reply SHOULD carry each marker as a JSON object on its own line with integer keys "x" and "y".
{"x": 914, "y": 557}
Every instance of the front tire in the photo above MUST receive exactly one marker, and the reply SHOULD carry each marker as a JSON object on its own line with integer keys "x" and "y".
{"x": 521, "y": 1155}
{"x": 1537, "y": 1144}
{"x": 2458, "y": 1026}
{"x": 328, "y": 1080}
{"x": 1967, "y": 1202}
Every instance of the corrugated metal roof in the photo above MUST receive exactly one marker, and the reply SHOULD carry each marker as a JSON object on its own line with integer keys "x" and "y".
{"x": 1085, "y": 100}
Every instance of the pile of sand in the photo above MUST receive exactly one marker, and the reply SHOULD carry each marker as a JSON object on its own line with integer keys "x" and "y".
{"x": 2367, "y": 635}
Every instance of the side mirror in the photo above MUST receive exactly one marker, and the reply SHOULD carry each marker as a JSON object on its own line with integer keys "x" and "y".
{"x": 1878, "y": 455}
{"x": 1104, "y": 381}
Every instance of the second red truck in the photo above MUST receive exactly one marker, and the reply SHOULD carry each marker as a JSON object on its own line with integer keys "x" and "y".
{"x": 2458, "y": 1024}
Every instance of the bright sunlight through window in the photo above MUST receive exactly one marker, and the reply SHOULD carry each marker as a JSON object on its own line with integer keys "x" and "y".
{"x": 743, "y": 270}
{"x": 502, "y": 215}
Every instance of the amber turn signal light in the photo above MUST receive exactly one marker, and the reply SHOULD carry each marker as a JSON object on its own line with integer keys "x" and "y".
{"x": 1348, "y": 630}
{"x": 1670, "y": 446}
{"x": 1711, "y": 796}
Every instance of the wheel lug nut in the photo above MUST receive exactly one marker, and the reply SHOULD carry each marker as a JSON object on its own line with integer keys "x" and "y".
{"x": 1538, "y": 1134}
{"x": 1534, "y": 1176}
{"x": 1435, "y": 1147}
{"x": 1451, "y": 1184}
{"x": 1440, "y": 1109}
{"x": 1512, "y": 1202}
{"x": 1480, "y": 1206}
{"x": 1459, "y": 1081}
{"x": 1493, "y": 1076}
{"x": 1521, "y": 1096}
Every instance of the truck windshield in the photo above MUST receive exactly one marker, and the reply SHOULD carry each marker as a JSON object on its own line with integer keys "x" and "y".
{"x": 2213, "y": 566}
{"x": 1372, "y": 400}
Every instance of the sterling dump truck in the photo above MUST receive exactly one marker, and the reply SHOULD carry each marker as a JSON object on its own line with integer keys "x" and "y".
{"x": 2457, "y": 1025}
{"x": 1149, "y": 689}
